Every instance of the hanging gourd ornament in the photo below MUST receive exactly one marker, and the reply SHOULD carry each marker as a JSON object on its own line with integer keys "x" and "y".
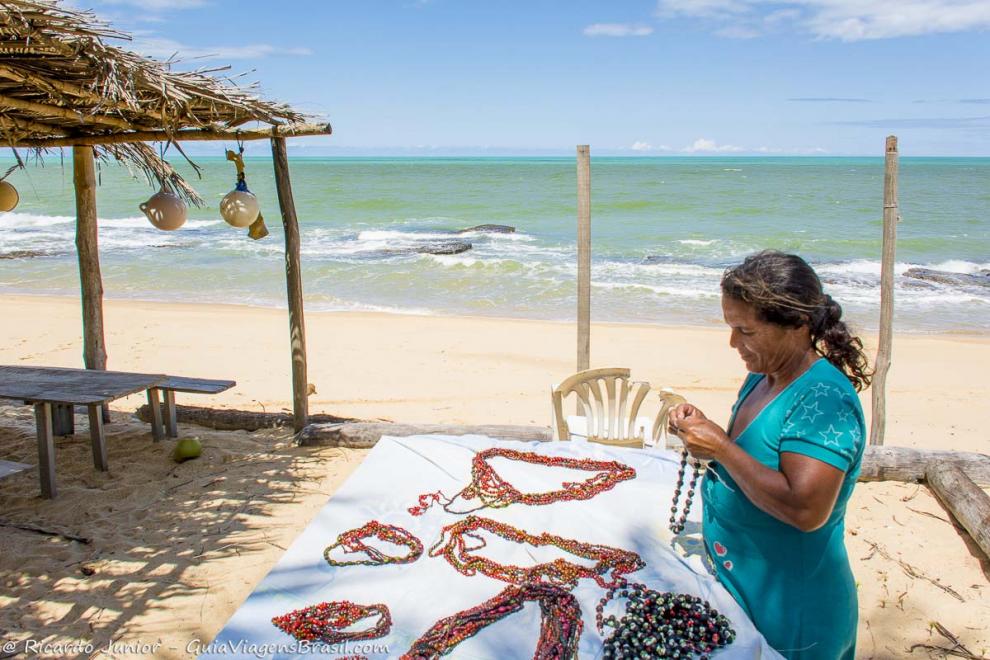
{"x": 8, "y": 197}
{"x": 240, "y": 207}
{"x": 165, "y": 210}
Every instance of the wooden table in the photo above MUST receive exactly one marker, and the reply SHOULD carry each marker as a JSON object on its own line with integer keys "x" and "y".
{"x": 48, "y": 388}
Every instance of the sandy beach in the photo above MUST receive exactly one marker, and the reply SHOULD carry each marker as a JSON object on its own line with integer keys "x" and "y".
{"x": 172, "y": 550}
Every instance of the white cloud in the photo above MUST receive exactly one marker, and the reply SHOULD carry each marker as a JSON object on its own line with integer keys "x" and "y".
{"x": 164, "y": 48}
{"x": 641, "y": 146}
{"x": 617, "y": 30}
{"x": 157, "y": 5}
{"x": 845, "y": 20}
{"x": 704, "y": 145}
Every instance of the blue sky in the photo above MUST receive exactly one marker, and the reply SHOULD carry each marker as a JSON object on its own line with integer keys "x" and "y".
{"x": 644, "y": 77}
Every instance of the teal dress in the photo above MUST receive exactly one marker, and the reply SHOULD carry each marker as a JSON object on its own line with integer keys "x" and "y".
{"x": 796, "y": 586}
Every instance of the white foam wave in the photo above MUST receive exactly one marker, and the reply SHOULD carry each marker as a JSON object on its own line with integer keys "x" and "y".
{"x": 695, "y": 241}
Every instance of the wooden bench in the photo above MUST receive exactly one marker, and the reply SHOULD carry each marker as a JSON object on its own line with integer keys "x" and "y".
{"x": 173, "y": 384}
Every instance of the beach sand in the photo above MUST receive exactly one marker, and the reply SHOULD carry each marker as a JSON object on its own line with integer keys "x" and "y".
{"x": 175, "y": 548}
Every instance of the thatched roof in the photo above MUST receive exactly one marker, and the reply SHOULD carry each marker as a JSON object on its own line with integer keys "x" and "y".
{"x": 61, "y": 83}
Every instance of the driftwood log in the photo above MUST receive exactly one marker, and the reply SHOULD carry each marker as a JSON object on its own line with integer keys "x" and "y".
{"x": 366, "y": 434}
{"x": 964, "y": 499}
{"x": 905, "y": 464}
{"x": 236, "y": 420}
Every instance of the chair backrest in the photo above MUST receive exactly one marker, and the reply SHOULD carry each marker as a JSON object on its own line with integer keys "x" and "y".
{"x": 661, "y": 437}
{"x": 609, "y": 403}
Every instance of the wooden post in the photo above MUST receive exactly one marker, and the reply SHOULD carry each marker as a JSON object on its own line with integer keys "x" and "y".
{"x": 890, "y": 219}
{"x": 964, "y": 499}
{"x": 46, "y": 449}
{"x": 293, "y": 280}
{"x": 88, "y": 251}
{"x": 584, "y": 257}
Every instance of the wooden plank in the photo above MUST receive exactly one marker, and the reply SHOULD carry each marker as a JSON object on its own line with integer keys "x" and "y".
{"x": 228, "y": 419}
{"x": 171, "y": 423}
{"x": 366, "y": 434}
{"x": 192, "y": 134}
{"x": 196, "y": 385}
{"x": 293, "y": 278}
{"x": 80, "y": 386}
{"x": 887, "y": 249}
{"x": 584, "y": 257}
{"x": 46, "y": 449}
{"x": 964, "y": 499}
{"x": 53, "y": 396}
{"x": 156, "y": 414}
{"x": 97, "y": 438}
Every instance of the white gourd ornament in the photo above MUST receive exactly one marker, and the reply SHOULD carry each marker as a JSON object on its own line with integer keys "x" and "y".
{"x": 165, "y": 210}
{"x": 240, "y": 207}
{"x": 8, "y": 197}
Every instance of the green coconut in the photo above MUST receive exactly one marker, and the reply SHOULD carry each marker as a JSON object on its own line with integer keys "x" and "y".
{"x": 187, "y": 448}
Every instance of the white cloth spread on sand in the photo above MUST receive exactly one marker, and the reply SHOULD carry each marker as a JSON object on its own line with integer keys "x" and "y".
{"x": 631, "y": 516}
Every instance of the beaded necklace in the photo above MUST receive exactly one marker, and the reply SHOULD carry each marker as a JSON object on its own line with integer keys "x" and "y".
{"x": 352, "y": 541}
{"x": 560, "y": 624}
{"x": 559, "y": 572}
{"x": 661, "y": 625}
{"x": 494, "y": 491}
{"x": 324, "y": 622}
{"x": 677, "y": 526}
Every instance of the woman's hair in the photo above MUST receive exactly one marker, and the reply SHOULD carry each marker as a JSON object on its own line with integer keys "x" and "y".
{"x": 785, "y": 290}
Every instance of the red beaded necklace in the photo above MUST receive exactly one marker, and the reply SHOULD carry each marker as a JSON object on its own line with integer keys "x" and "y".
{"x": 352, "y": 541}
{"x": 560, "y": 624}
{"x": 559, "y": 572}
{"x": 324, "y": 622}
{"x": 494, "y": 491}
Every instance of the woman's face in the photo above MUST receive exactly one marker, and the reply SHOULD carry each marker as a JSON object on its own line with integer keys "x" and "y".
{"x": 764, "y": 347}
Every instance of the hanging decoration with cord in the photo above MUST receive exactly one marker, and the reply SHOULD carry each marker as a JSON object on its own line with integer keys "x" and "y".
{"x": 240, "y": 207}
{"x": 8, "y": 193}
{"x": 165, "y": 210}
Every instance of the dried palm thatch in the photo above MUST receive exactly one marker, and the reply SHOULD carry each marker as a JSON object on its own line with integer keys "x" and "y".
{"x": 60, "y": 82}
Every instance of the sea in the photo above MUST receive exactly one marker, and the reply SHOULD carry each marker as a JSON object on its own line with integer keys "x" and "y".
{"x": 664, "y": 229}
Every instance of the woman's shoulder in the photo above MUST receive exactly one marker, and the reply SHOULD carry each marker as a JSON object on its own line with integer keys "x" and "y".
{"x": 824, "y": 379}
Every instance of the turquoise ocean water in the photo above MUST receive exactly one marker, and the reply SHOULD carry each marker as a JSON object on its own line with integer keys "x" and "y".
{"x": 663, "y": 230}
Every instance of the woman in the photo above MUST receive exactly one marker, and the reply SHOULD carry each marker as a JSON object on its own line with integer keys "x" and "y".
{"x": 779, "y": 479}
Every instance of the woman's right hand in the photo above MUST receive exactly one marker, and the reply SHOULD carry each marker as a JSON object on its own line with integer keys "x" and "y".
{"x": 681, "y": 413}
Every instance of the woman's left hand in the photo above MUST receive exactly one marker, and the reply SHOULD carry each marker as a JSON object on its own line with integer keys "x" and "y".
{"x": 703, "y": 438}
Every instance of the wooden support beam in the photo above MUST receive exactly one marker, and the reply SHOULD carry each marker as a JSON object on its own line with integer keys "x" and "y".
{"x": 83, "y": 119}
{"x": 87, "y": 247}
{"x": 229, "y": 419}
{"x": 964, "y": 499}
{"x": 293, "y": 285}
{"x": 890, "y": 219}
{"x": 46, "y": 449}
{"x": 187, "y": 135}
{"x": 584, "y": 257}
{"x": 26, "y": 126}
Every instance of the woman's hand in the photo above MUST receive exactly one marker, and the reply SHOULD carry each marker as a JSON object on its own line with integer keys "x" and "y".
{"x": 703, "y": 438}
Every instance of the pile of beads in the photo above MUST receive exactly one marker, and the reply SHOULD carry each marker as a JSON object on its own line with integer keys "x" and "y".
{"x": 677, "y": 526}
{"x": 353, "y": 541}
{"x": 662, "y": 625}
{"x": 560, "y": 572}
{"x": 494, "y": 491}
{"x": 560, "y": 625}
{"x": 325, "y": 622}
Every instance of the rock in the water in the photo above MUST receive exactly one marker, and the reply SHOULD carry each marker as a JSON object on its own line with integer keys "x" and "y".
{"x": 28, "y": 254}
{"x": 444, "y": 247}
{"x": 490, "y": 229}
{"x": 953, "y": 279}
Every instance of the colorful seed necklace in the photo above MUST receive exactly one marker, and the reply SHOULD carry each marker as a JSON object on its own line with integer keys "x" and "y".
{"x": 677, "y": 525}
{"x": 560, "y": 624}
{"x": 494, "y": 491}
{"x": 353, "y": 541}
{"x": 325, "y": 622}
{"x": 662, "y": 625}
{"x": 560, "y": 572}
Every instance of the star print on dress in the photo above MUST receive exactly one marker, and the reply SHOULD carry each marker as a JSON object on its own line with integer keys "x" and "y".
{"x": 831, "y": 436}
{"x": 821, "y": 389}
{"x": 855, "y": 433}
{"x": 808, "y": 409}
{"x": 843, "y": 415}
{"x": 787, "y": 428}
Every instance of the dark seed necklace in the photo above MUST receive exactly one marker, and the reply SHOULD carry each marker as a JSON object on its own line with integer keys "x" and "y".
{"x": 560, "y": 625}
{"x": 353, "y": 541}
{"x": 661, "y": 625}
{"x": 677, "y": 525}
